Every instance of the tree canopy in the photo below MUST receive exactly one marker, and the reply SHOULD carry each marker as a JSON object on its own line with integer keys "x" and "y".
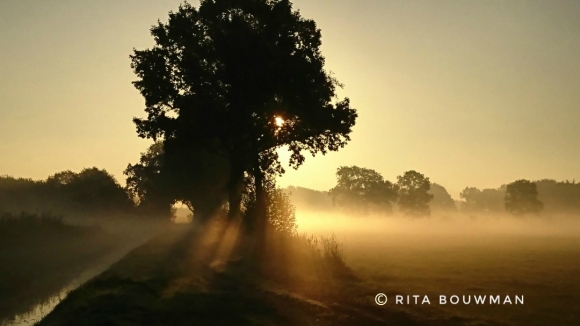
{"x": 488, "y": 200}
{"x": 413, "y": 193}
{"x": 96, "y": 190}
{"x": 442, "y": 200}
{"x": 359, "y": 190}
{"x": 160, "y": 179}
{"x": 241, "y": 78}
{"x": 560, "y": 197}
{"x": 521, "y": 197}
{"x": 148, "y": 183}
{"x": 92, "y": 191}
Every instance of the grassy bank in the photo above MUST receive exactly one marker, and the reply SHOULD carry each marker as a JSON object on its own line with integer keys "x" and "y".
{"x": 173, "y": 280}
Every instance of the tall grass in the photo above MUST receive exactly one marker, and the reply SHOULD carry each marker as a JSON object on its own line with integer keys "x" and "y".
{"x": 307, "y": 264}
{"x": 326, "y": 248}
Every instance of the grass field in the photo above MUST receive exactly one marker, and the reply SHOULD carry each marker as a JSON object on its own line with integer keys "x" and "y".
{"x": 168, "y": 282}
{"x": 457, "y": 256}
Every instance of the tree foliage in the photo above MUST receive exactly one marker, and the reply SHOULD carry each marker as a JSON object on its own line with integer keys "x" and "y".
{"x": 359, "y": 190}
{"x": 92, "y": 191}
{"x": 442, "y": 200}
{"x": 559, "y": 197}
{"x": 219, "y": 76}
{"x": 521, "y": 197}
{"x": 280, "y": 212}
{"x": 482, "y": 201}
{"x": 160, "y": 179}
{"x": 20, "y": 194}
{"x": 414, "y": 194}
{"x": 153, "y": 192}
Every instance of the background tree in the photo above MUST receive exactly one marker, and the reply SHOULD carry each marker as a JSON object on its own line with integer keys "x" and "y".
{"x": 521, "y": 197}
{"x": 414, "y": 194}
{"x": 94, "y": 190}
{"x": 91, "y": 192}
{"x": 442, "y": 200}
{"x": 20, "y": 194}
{"x": 559, "y": 197}
{"x": 359, "y": 189}
{"x": 482, "y": 201}
{"x": 241, "y": 78}
{"x": 61, "y": 179}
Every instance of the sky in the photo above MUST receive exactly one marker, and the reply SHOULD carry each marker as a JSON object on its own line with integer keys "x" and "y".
{"x": 469, "y": 93}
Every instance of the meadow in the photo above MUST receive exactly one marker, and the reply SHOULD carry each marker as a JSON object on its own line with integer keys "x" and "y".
{"x": 458, "y": 255}
{"x": 329, "y": 272}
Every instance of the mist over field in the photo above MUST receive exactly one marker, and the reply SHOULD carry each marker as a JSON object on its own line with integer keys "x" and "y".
{"x": 445, "y": 225}
{"x": 403, "y": 239}
{"x": 277, "y": 162}
{"x": 537, "y": 258}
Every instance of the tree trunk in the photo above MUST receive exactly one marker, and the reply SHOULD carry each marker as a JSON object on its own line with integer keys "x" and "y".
{"x": 204, "y": 209}
{"x": 235, "y": 187}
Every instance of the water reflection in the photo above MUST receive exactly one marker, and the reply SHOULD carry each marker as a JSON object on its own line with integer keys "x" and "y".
{"x": 44, "y": 304}
{"x": 39, "y": 311}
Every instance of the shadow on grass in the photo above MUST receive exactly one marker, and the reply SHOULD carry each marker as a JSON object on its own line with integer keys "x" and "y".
{"x": 303, "y": 281}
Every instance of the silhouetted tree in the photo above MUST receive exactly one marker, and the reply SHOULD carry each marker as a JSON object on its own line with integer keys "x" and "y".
{"x": 358, "y": 189}
{"x": 521, "y": 197}
{"x": 94, "y": 190}
{"x": 413, "y": 193}
{"x": 482, "y": 201}
{"x": 148, "y": 185}
{"x": 160, "y": 179}
{"x": 61, "y": 179}
{"x": 241, "y": 78}
{"x": 442, "y": 200}
{"x": 20, "y": 194}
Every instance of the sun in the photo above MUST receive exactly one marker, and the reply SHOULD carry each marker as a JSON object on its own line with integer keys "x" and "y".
{"x": 279, "y": 121}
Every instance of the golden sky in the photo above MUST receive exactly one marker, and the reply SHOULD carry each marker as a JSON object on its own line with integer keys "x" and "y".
{"x": 470, "y": 93}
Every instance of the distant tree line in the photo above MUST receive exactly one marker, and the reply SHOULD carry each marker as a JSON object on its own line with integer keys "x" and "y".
{"x": 360, "y": 191}
{"x": 154, "y": 186}
{"x": 524, "y": 197}
{"x": 89, "y": 192}
{"x": 309, "y": 199}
